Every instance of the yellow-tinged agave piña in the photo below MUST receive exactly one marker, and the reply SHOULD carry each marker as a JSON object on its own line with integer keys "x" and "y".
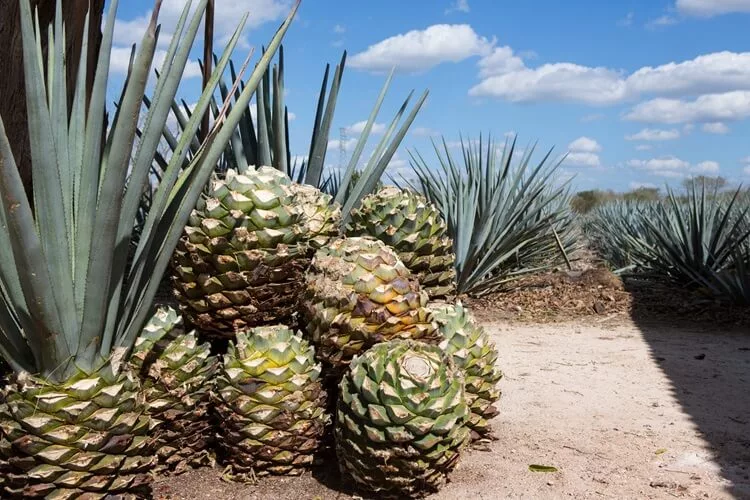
{"x": 406, "y": 221}
{"x": 270, "y": 403}
{"x": 476, "y": 356}
{"x": 359, "y": 294}
{"x": 243, "y": 256}
{"x": 73, "y": 419}
{"x": 176, "y": 373}
{"x": 401, "y": 419}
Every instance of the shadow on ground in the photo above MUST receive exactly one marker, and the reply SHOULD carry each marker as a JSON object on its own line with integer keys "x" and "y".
{"x": 704, "y": 350}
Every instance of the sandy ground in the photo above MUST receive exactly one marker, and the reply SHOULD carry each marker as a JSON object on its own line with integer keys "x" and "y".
{"x": 623, "y": 411}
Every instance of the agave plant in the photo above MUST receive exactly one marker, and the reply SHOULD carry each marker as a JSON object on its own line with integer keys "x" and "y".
{"x": 699, "y": 239}
{"x": 506, "y": 219}
{"x": 264, "y": 140}
{"x": 618, "y": 232}
{"x": 72, "y": 423}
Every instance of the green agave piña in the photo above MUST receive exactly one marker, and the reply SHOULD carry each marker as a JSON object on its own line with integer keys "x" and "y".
{"x": 270, "y": 403}
{"x": 401, "y": 419}
{"x": 176, "y": 373}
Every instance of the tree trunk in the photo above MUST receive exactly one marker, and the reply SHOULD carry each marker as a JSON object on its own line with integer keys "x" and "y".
{"x": 12, "y": 86}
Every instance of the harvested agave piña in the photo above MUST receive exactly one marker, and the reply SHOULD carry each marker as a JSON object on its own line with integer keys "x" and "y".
{"x": 270, "y": 404}
{"x": 476, "y": 356}
{"x": 320, "y": 214}
{"x": 242, "y": 258}
{"x": 359, "y": 294}
{"x": 401, "y": 419}
{"x": 176, "y": 373}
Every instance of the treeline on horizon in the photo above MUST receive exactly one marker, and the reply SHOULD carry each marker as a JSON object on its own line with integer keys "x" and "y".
{"x": 585, "y": 201}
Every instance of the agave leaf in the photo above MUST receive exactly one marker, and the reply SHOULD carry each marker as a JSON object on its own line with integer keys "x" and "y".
{"x": 362, "y": 141}
{"x": 316, "y": 160}
{"x": 165, "y": 192}
{"x": 49, "y": 346}
{"x": 378, "y": 164}
{"x": 499, "y": 214}
{"x": 172, "y": 69}
{"x": 200, "y": 173}
{"x": 89, "y": 169}
{"x": 50, "y": 213}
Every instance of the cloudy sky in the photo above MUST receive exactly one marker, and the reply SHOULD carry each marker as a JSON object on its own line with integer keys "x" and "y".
{"x": 636, "y": 92}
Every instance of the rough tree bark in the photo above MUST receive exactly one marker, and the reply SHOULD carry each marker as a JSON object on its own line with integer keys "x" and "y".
{"x": 12, "y": 87}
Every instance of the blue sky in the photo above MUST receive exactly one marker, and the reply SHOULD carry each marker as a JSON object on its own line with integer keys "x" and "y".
{"x": 637, "y": 92}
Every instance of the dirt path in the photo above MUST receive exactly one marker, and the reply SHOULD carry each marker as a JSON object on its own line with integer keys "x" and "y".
{"x": 623, "y": 412}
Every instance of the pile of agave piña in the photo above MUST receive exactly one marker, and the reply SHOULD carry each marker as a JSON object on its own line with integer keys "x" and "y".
{"x": 402, "y": 384}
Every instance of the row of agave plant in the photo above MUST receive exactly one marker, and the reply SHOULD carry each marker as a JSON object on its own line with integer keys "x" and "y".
{"x": 700, "y": 239}
{"x": 100, "y": 384}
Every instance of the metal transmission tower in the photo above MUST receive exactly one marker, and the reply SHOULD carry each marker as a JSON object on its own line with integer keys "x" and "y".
{"x": 343, "y": 138}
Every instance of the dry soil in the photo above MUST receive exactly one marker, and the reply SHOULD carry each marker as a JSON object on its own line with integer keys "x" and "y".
{"x": 622, "y": 411}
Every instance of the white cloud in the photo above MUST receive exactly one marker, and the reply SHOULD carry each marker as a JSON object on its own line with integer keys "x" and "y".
{"x": 583, "y": 160}
{"x": 583, "y": 153}
{"x": 506, "y": 76}
{"x": 339, "y": 29}
{"x": 715, "y": 128}
{"x": 119, "y": 61}
{"x": 499, "y": 62}
{"x": 708, "y": 8}
{"x": 746, "y": 170}
{"x": 584, "y": 145}
{"x": 650, "y": 134}
{"x": 419, "y": 50}
{"x": 644, "y": 147}
{"x": 729, "y": 106}
{"x": 458, "y": 6}
{"x": 359, "y": 127}
{"x": 673, "y": 167}
{"x": 710, "y": 73}
{"x": 706, "y": 167}
{"x": 226, "y": 18}
{"x": 746, "y": 164}
{"x": 549, "y": 82}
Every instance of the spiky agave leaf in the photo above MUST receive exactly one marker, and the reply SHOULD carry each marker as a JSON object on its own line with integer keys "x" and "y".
{"x": 270, "y": 403}
{"x": 401, "y": 419}
{"x": 413, "y": 226}
{"x": 500, "y": 214}
{"x": 476, "y": 356}
{"x": 176, "y": 372}
{"x": 69, "y": 312}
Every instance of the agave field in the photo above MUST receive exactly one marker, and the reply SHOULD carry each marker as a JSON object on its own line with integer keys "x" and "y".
{"x": 317, "y": 317}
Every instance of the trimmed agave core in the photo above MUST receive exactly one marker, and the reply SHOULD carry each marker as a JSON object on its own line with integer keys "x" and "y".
{"x": 242, "y": 258}
{"x": 401, "y": 419}
{"x": 87, "y": 436}
{"x": 270, "y": 403}
{"x": 359, "y": 294}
